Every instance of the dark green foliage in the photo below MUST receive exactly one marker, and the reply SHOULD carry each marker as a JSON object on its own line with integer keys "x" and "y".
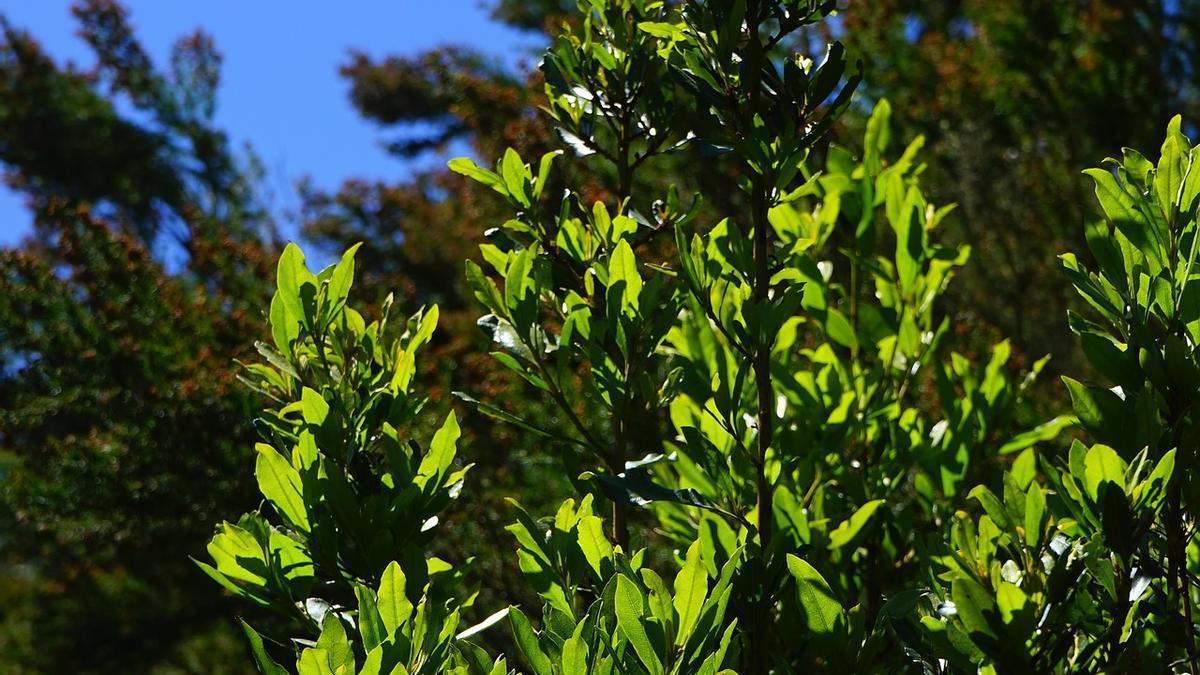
{"x": 116, "y": 449}
{"x": 122, "y": 428}
{"x": 52, "y": 116}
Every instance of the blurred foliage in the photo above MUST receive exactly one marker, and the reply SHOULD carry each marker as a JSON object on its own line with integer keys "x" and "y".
{"x": 120, "y": 316}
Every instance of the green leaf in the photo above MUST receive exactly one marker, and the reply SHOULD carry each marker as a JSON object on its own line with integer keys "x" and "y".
{"x": 992, "y": 506}
{"x": 313, "y": 407}
{"x": 878, "y": 136}
{"x": 333, "y": 641}
{"x": 1035, "y": 515}
{"x": 1046, "y": 431}
{"x": 1172, "y": 167}
{"x": 374, "y": 663}
{"x": 266, "y": 665}
{"x": 370, "y": 623}
{"x": 285, "y": 328}
{"x": 1191, "y": 186}
{"x": 1152, "y": 490}
{"x": 1101, "y": 412}
{"x": 973, "y": 605}
{"x": 1103, "y": 244}
{"x": 661, "y": 29}
{"x": 506, "y": 336}
{"x": 1103, "y": 464}
{"x": 233, "y": 545}
{"x": 637, "y": 488}
{"x": 691, "y": 588}
{"x": 595, "y": 546}
{"x": 467, "y": 167}
{"x": 527, "y": 642}
{"x": 602, "y": 223}
{"x": 516, "y": 178}
{"x": 575, "y": 653}
{"x": 341, "y": 279}
{"x": 622, "y": 225}
{"x": 505, "y": 416}
{"x": 442, "y": 449}
{"x": 1012, "y": 602}
{"x": 544, "y": 172}
{"x": 517, "y": 280}
{"x": 406, "y": 363}
{"x": 714, "y": 660}
{"x": 658, "y": 598}
{"x": 314, "y": 662}
{"x": 394, "y": 606}
{"x": 281, "y": 485}
{"x": 542, "y": 578}
{"x": 297, "y": 287}
{"x": 226, "y": 583}
{"x": 1122, "y": 211}
{"x": 485, "y": 289}
{"x": 822, "y": 612}
{"x": 622, "y": 269}
{"x": 910, "y": 237}
{"x": 849, "y": 528}
{"x": 631, "y": 608}
{"x": 1024, "y": 468}
{"x": 838, "y": 328}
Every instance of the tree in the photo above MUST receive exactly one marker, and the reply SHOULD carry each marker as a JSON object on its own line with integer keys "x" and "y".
{"x": 1006, "y": 94}
{"x": 771, "y": 391}
{"x": 120, "y": 320}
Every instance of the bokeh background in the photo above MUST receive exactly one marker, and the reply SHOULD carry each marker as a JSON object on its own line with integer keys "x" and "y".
{"x": 156, "y": 155}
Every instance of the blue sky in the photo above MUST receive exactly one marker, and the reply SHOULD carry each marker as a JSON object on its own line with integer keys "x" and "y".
{"x": 283, "y": 56}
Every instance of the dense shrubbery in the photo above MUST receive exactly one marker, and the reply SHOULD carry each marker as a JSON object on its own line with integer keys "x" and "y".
{"x": 122, "y": 426}
{"x": 781, "y": 462}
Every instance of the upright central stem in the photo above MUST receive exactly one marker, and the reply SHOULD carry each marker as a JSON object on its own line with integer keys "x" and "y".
{"x": 762, "y": 365}
{"x": 760, "y": 203}
{"x": 621, "y": 416}
{"x": 620, "y": 521}
{"x": 1177, "y": 552}
{"x": 760, "y": 660}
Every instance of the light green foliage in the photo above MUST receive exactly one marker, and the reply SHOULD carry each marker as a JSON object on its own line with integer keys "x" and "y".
{"x": 1087, "y": 571}
{"x": 607, "y": 612}
{"x": 851, "y": 344}
{"x": 1042, "y": 559}
{"x": 1132, "y": 496}
{"x": 763, "y": 387}
{"x": 578, "y": 313}
{"x": 783, "y": 464}
{"x": 1006, "y": 574}
{"x": 351, "y": 505}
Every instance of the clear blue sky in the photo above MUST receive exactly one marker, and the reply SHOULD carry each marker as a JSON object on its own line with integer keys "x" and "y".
{"x": 282, "y": 56}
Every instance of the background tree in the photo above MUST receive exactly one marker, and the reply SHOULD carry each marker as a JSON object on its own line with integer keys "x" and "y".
{"x": 121, "y": 427}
